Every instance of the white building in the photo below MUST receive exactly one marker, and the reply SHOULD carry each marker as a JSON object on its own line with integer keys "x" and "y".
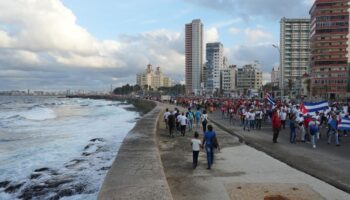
{"x": 295, "y": 51}
{"x": 153, "y": 79}
{"x": 249, "y": 77}
{"x": 275, "y": 75}
{"x": 229, "y": 78}
{"x": 214, "y": 66}
{"x": 194, "y": 56}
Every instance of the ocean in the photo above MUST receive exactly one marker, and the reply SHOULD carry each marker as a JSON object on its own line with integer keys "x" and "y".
{"x": 59, "y": 148}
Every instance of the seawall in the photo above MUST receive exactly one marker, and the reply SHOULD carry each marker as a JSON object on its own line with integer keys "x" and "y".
{"x": 137, "y": 171}
{"x": 141, "y": 105}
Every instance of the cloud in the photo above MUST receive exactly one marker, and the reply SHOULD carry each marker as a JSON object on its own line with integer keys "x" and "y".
{"x": 41, "y": 45}
{"x": 257, "y": 36}
{"x": 234, "y": 31}
{"x": 211, "y": 35}
{"x": 273, "y": 9}
{"x": 244, "y": 54}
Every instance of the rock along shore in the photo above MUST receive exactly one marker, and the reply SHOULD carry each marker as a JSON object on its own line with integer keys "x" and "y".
{"x": 137, "y": 171}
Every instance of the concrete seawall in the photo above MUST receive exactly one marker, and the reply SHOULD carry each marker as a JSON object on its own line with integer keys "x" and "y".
{"x": 137, "y": 172}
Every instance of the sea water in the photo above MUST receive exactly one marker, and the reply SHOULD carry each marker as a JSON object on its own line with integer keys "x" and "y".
{"x": 58, "y": 148}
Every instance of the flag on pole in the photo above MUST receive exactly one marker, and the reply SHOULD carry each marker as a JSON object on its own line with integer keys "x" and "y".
{"x": 312, "y": 108}
{"x": 270, "y": 99}
{"x": 344, "y": 124}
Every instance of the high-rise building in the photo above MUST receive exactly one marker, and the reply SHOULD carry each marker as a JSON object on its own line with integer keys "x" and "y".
{"x": 249, "y": 77}
{"x": 295, "y": 52}
{"x": 194, "y": 56}
{"x": 329, "y": 37}
{"x": 214, "y": 65}
{"x": 229, "y": 78}
{"x": 275, "y": 75}
{"x": 152, "y": 79}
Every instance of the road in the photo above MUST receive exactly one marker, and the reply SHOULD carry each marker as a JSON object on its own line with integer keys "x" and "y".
{"x": 327, "y": 162}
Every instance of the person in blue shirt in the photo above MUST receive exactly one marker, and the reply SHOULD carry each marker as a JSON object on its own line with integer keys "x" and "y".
{"x": 198, "y": 115}
{"x": 333, "y": 124}
{"x": 210, "y": 142}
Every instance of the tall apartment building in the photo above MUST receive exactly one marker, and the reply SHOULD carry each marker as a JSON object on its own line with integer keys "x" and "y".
{"x": 154, "y": 79}
{"x": 275, "y": 75}
{"x": 329, "y": 36}
{"x": 295, "y": 52}
{"x": 249, "y": 77}
{"x": 194, "y": 56}
{"x": 229, "y": 78}
{"x": 214, "y": 65}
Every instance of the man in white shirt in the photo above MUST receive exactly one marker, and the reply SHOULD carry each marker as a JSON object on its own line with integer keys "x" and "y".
{"x": 246, "y": 120}
{"x": 183, "y": 123}
{"x": 283, "y": 116}
{"x": 165, "y": 117}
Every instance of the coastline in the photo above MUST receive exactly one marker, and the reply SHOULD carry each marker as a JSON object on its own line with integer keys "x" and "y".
{"x": 141, "y": 105}
{"x": 137, "y": 171}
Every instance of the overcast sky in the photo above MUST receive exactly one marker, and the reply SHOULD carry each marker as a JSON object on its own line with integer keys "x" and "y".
{"x": 91, "y": 44}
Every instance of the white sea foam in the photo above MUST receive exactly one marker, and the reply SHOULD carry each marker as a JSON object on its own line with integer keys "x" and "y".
{"x": 55, "y": 135}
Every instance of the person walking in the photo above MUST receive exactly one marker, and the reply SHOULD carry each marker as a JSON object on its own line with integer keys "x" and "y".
{"x": 276, "y": 125}
{"x": 183, "y": 122}
{"x": 333, "y": 123}
{"x": 210, "y": 142}
{"x": 165, "y": 117}
{"x": 292, "y": 125}
{"x": 204, "y": 119}
{"x": 196, "y": 145}
{"x": 190, "y": 117}
{"x": 198, "y": 115}
{"x": 258, "y": 119}
{"x": 283, "y": 116}
{"x": 171, "y": 124}
{"x": 313, "y": 129}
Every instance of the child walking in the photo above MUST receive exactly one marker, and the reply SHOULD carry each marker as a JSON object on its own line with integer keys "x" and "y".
{"x": 196, "y": 145}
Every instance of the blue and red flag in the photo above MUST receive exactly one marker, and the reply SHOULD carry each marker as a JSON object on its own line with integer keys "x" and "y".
{"x": 312, "y": 108}
{"x": 344, "y": 124}
{"x": 269, "y": 98}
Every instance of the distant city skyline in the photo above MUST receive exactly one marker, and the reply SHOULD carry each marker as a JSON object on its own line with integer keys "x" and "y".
{"x": 85, "y": 44}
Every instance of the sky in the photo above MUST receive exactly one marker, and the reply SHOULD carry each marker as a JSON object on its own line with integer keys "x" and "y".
{"x": 93, "y": 44}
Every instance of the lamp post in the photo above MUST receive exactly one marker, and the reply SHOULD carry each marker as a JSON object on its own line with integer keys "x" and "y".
{"x": 281, "y": 69}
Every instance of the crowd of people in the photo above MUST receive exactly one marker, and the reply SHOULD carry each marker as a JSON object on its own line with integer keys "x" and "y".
{"x": 252, "y": 114}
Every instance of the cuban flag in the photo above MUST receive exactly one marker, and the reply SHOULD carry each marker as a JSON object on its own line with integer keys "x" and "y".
{"x": 344, "y": 124}
{"x": 270, "y": 99}
{"x": 311, "y": 108}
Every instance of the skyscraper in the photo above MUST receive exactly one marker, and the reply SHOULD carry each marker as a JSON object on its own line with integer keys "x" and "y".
{"x": 194, "y": 56}
{"x": 295, "y": 53}
{"x": 329, "y": 37}
{"x": 214, "y": 65}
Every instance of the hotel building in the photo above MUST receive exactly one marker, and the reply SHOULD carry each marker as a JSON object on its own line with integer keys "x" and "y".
{"x": 295, "y": 53}
{"x": 329, "y": 37}
{"x": 194, "y": 57}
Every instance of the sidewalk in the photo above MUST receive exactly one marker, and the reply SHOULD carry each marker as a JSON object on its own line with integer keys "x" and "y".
{"x": 239, "y": 172}
{"x": 327, "y": 162}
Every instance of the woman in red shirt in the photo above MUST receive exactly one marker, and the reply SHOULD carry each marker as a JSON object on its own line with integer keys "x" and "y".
{"x": 276, "y": 125}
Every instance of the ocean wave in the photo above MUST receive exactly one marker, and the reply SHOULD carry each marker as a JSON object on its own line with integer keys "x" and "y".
{"x": 35, "y": 113}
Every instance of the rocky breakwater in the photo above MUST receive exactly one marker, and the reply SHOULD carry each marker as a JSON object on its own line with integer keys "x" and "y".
{"x": 137, "y": 171}
{"x": 140, "y": 105}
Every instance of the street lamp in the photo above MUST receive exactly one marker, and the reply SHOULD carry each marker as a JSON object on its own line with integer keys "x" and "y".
{"x": 281, "y": 69}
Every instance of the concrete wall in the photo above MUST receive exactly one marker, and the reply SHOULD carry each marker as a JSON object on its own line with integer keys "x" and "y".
{"x": 137, "y": 171}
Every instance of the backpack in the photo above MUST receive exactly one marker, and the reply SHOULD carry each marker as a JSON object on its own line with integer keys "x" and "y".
{"x": 190, "y": 116}
{"x": 313, "y": 129}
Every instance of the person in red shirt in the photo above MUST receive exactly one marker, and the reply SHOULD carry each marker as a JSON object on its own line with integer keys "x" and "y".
{"x": 307, "y": 120}
{"x": 276, "y": 125}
